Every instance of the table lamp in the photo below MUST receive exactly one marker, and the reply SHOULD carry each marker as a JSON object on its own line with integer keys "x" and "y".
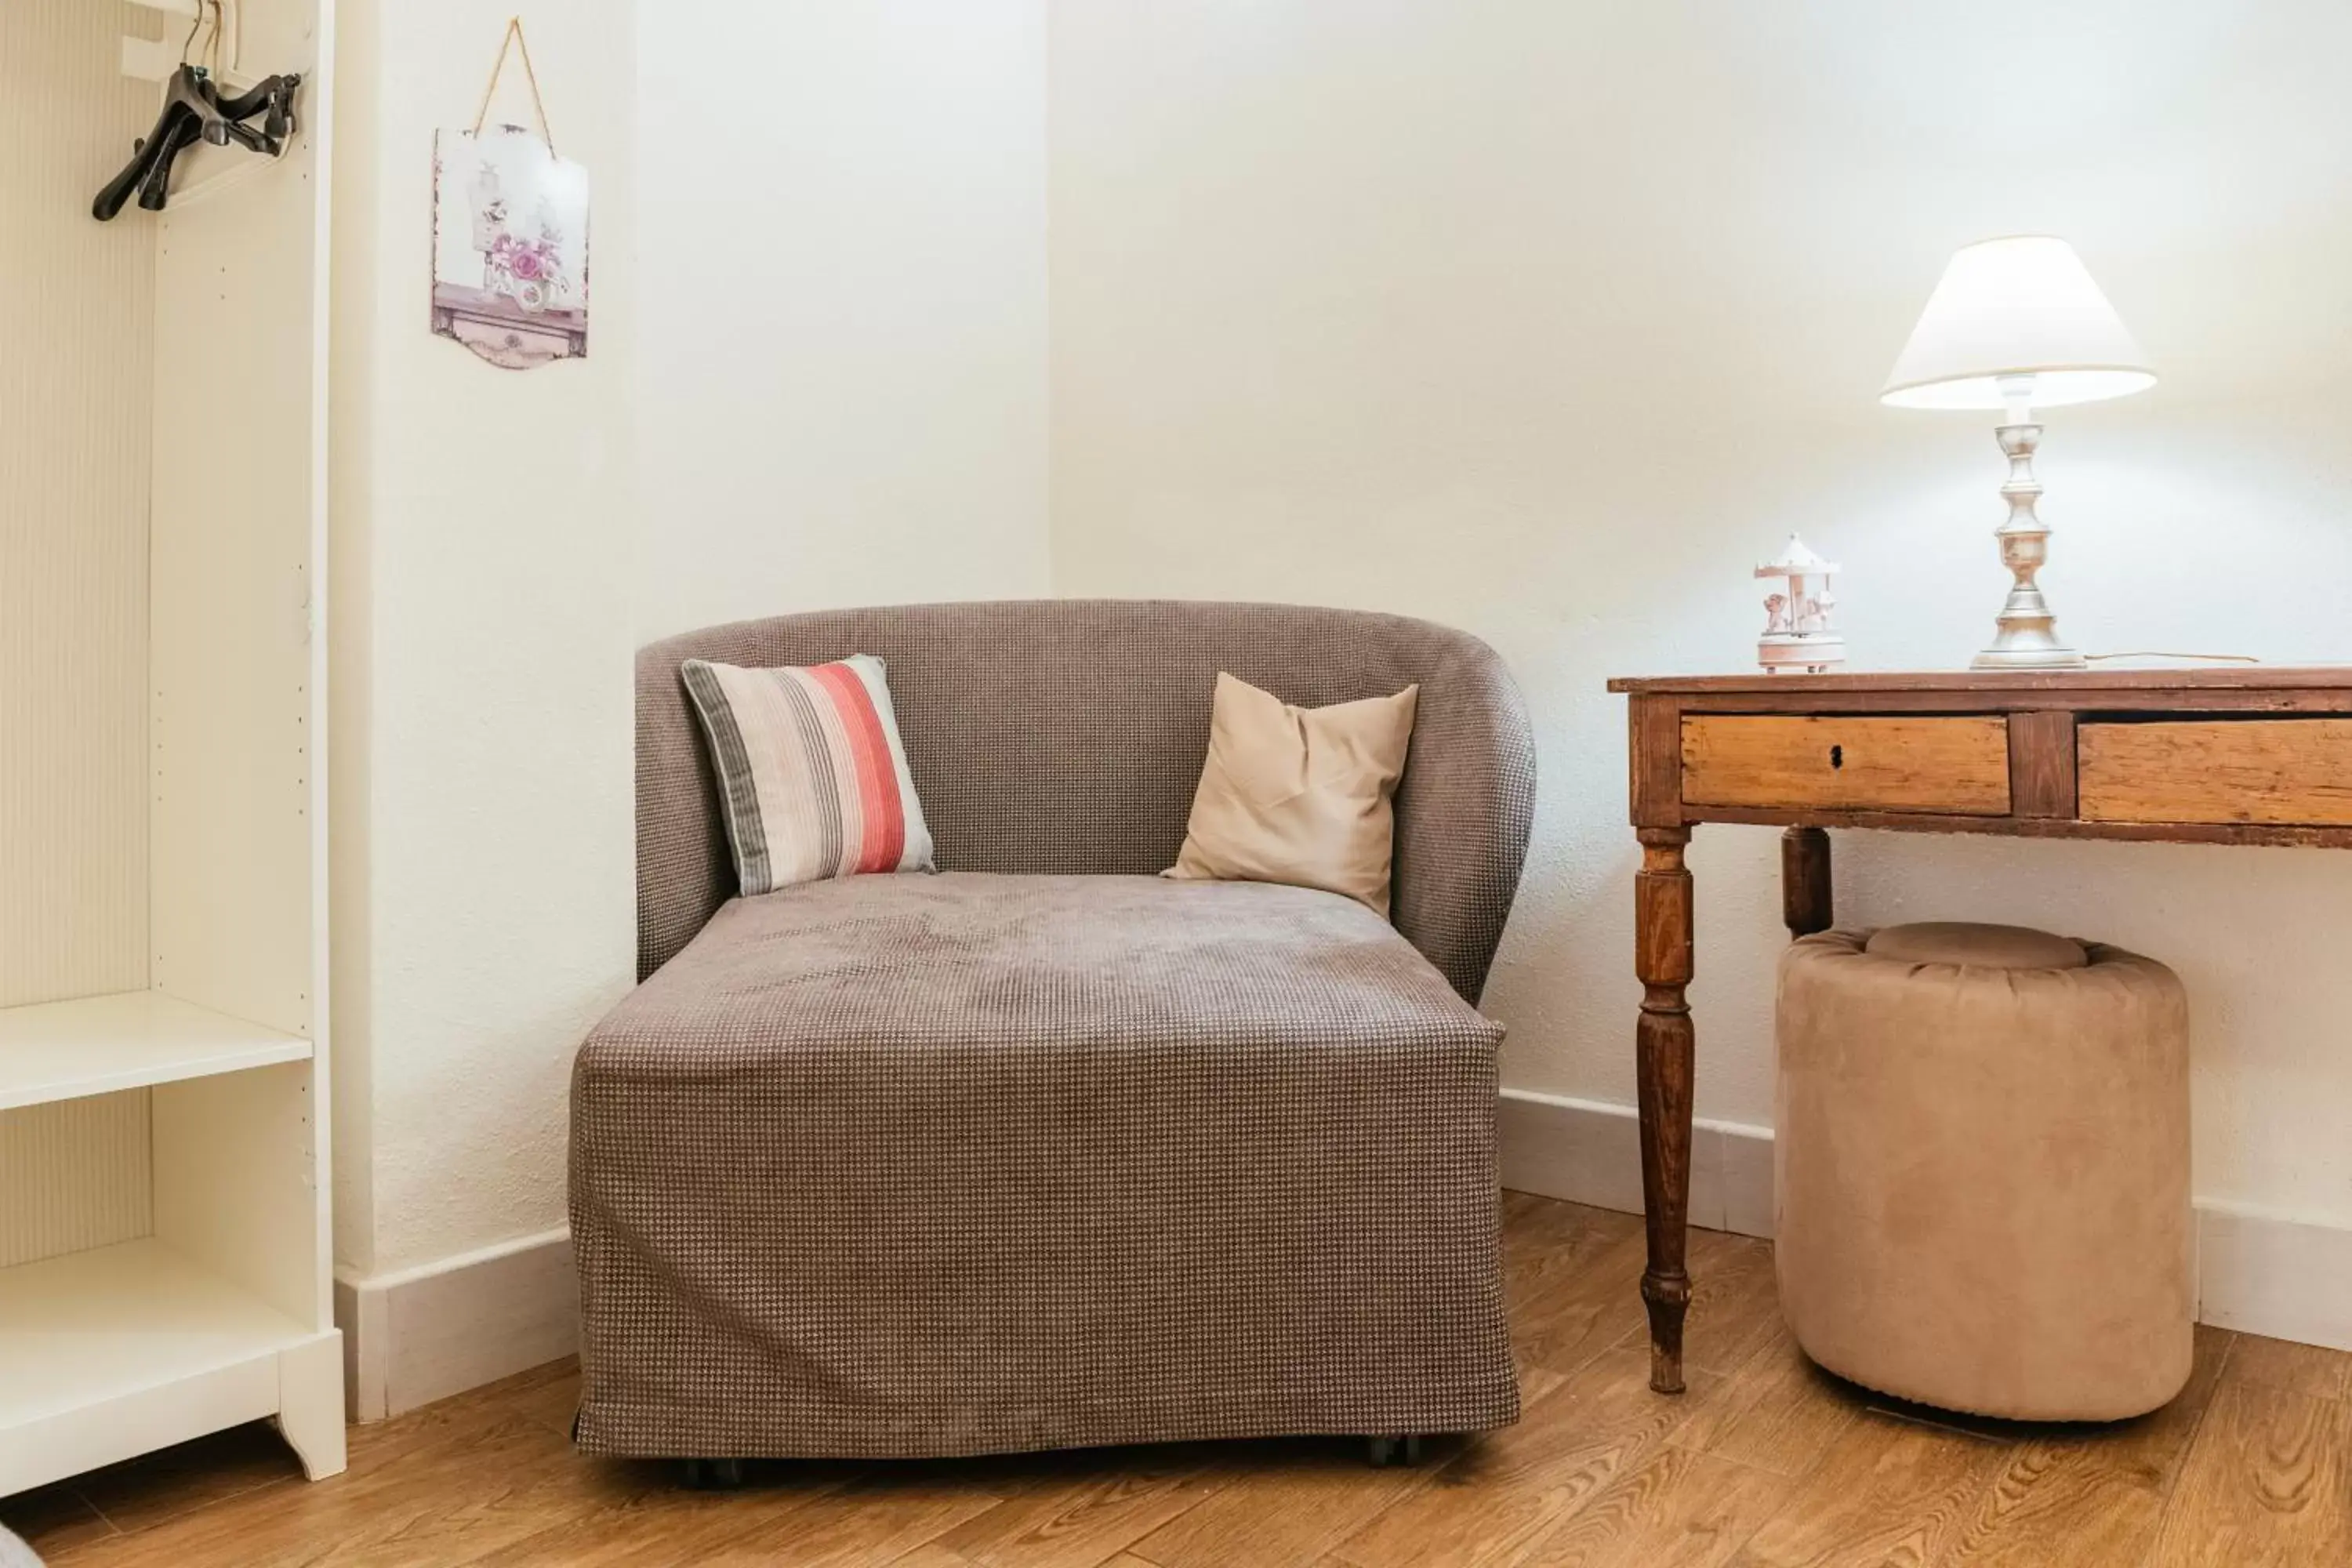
{"x": 2015, "y": 322}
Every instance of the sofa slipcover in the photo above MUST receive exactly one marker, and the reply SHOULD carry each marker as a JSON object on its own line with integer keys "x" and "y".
{"x": 914, "y": 1165}
{"x": 1046, "y": 1151}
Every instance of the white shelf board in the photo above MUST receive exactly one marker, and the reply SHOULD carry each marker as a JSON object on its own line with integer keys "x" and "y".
{"x": 98, "y": 1044}
{"x": 117, "y": 1321}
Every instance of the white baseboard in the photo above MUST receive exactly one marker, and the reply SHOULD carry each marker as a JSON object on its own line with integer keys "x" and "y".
{"x": 2274, "y": 1275}
{"x": 2264, "y": 1273}
{"x": 423, "y": 1334}
{"x": 1588, "y": 1152}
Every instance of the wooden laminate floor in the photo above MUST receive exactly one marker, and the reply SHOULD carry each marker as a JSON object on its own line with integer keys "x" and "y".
{"x": 1764, "y": 1463}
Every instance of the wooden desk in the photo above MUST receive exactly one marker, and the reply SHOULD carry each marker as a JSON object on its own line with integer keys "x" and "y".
{"x": 2247, "y": 755}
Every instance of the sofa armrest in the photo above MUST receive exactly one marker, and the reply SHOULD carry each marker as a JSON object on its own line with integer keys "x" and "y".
{"x": 1464, "y": 810}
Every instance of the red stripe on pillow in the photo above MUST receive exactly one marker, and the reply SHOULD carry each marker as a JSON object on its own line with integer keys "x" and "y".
{"x": 877, "y": 775}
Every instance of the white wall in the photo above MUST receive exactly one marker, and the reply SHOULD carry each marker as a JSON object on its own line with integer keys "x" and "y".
{"x": 817, "y": 376}
{"x": 482, "y": 868}
{"x": 1550, "y": 319}
{"x": 843, "y": 374}
{"x": 1545, "y": 320}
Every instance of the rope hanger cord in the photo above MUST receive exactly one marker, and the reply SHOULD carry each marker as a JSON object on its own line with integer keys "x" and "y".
{"x": 515, "y": 39}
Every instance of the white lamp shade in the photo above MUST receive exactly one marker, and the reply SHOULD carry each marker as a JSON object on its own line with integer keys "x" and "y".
{"x": 2021, "y": 305}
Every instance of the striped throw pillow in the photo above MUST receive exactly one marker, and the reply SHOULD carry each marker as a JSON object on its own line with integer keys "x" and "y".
{"x": 810, "y": 774}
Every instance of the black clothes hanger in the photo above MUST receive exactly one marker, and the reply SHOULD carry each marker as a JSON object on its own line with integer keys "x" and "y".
{"x": 272, "y": 97}
{"x": 158, "y": 148}
{"x": 194, "y": 111}
{"x": 155, "y": 185}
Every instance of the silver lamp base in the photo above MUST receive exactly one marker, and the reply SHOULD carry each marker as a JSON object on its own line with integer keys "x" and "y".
{"x": 2026, "y": 633}
{"x": 2056, "y": 656}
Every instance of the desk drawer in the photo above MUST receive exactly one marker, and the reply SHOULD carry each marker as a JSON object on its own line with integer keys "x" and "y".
{"x": 2290, "y": 772}
{"x": 1955, "y": 764}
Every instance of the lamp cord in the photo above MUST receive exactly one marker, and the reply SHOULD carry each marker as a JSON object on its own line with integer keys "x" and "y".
{"x": 2156, "y": 653}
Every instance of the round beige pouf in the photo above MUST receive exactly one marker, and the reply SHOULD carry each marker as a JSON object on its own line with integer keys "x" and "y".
{"x": 1982, "y": 1162}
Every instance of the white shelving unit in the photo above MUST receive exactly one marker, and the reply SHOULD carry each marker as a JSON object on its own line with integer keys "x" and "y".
{"x": 135, "y": 1040}
{"x": 133, "y": 1347}
{"x": 165, "y": 1238}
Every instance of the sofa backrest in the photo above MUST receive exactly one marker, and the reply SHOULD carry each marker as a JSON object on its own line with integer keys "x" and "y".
{"x": 1068, "y": 735}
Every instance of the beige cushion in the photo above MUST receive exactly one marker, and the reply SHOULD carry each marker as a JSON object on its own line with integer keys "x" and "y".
{"x": 1983, "y": 1176}
{"x": 1984, "y": 947}
{"x": 1298, "y": 796}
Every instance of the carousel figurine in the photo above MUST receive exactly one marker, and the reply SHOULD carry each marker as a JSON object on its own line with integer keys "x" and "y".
{"x": 1799, "y": 633}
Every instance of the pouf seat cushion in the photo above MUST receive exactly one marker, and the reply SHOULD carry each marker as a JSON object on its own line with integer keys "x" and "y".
{"x": 1982, "y": 1170}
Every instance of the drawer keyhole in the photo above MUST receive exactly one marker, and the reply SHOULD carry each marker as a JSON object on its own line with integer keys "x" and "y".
{"x": 1837, "y": 756}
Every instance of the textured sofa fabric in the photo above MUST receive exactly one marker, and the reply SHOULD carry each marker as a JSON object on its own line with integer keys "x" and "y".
{"x": 1068, "y": 736}
{"x": 915, "y": 1166}
{"x": 1983, "y": 1170}
{"x": 1045, "y": 1150}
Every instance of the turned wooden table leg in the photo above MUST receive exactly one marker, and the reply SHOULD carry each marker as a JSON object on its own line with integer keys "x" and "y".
{"x": 1666, "y": 1045}
{"x": 1806, "y": 905}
